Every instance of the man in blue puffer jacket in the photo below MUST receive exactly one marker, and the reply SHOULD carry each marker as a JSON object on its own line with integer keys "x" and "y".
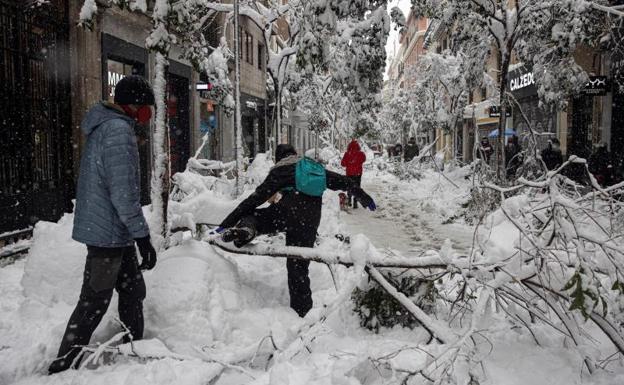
{"x": 109, "y": 219}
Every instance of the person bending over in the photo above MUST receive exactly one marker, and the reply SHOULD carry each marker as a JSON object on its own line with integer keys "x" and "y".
{"x": 298, "y": 214}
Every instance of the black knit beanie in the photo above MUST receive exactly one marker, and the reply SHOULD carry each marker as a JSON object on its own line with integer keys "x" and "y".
{"x": 284, "y": 150}
{"x": 134, "y": 89}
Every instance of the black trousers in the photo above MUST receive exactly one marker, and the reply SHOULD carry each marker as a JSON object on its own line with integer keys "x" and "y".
{"x": 357, "y": 180}
{"x": 105, "y": 269}
{"x": 298, "y": 233}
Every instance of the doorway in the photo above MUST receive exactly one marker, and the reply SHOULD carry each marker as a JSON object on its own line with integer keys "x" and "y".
{"x": 179, "y": 124}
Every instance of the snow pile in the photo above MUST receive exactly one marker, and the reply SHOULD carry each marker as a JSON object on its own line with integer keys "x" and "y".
{"x": 55, "y": 263}
{"x": 258, "y": 170}
{"x": 498, "y": 237}
{"x": 206, "y": 199}
{"x": 190, "y": 291}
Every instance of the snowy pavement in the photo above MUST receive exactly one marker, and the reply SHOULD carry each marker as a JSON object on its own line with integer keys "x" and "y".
{"x": 411, "y": 217}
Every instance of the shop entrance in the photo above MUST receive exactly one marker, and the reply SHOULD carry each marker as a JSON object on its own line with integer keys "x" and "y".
{"x": 579, "y": 137}
{"x": 617, "y": 125}
{"x": 178, "y": 116}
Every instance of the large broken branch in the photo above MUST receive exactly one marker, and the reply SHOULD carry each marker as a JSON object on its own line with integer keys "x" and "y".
{"x": 430, "y": 261}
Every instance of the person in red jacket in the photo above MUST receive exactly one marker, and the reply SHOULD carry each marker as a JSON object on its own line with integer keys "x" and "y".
{"x": 353, "y": 160}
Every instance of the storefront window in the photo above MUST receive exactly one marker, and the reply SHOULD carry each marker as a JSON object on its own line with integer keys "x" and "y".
{"x": 208, "y": 125}
{"x": 117, "y": 71}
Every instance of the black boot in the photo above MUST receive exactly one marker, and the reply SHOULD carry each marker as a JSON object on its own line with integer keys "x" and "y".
{"x": 65, "y": 362}
{"x": 240, "y": 235}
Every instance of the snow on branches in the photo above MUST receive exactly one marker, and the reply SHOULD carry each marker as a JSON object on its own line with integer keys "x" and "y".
{"x": 542, "y": 34}
{"x": 344, "y": 42}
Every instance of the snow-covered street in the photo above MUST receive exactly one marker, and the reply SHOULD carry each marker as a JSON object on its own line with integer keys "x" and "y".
{"x": 207, "y": 308}
{"x": 412, "y": 217}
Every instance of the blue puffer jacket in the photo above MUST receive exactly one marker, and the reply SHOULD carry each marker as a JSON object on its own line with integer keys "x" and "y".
{"x": 108, "y": 208}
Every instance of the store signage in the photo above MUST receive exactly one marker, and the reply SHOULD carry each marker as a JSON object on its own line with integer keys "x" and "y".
{"x": 113, "y": 79}
{"x": 522, "y": 82}
{"x": 495, "y": 112}
{"x": 203, "y": 86}
{"x": 596, "y": 86}
{"x": 204, "y": 90}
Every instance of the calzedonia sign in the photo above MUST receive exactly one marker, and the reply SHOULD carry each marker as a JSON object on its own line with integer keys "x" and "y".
{"x": 524, "y": 80}
{"x": 522, "y": 83}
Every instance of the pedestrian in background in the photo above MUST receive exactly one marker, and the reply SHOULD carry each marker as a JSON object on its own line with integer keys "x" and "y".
{"x": 411, "y": 150}
{"x": 513, "y": 157}
{"x": 485, "y": 150}
{"x": 551, "y": 155}
{"x": 601, "y": 165}
{"x": 353, "y": 160}
{"x": 398, "y": 151}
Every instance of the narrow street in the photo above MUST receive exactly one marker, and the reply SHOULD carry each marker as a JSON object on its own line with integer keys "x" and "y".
{"x": 405, "y": 220}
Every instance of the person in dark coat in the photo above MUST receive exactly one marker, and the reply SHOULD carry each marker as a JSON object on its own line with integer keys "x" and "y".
{"x": 485, "y": 150}
{"x": 295, "y": 213}
{"x": 551, "y": 155}
{"x": 109, "y": 219}
{"x": 411, "y": 150}
{"x": 353, "y": 160}
{"x": 398, "y": 151}
{"x": 600, "y": 165}
{"x": 513, "y": 157}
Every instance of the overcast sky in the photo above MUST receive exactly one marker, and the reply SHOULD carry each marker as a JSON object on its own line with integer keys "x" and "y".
{"x": 393, "y": 40}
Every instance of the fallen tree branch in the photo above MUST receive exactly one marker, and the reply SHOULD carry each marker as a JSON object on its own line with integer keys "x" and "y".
{"x": 320, "y": 255}
{"x": 441, "y": 333}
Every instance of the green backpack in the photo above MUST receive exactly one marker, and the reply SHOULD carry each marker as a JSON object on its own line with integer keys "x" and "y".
{"x": 310, "y": 177}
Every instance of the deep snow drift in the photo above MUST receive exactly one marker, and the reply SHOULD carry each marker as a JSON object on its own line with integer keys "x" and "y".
{"x": 207, "y": 309}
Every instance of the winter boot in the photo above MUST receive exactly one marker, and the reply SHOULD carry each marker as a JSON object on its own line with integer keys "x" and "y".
{"x": 240, "y": 235}
{"x": 60, "y": 364}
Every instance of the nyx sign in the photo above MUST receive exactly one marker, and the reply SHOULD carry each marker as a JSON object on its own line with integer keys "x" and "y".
{"x": 596, "y": 86}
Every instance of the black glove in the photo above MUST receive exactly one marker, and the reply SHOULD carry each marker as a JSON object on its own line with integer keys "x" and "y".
{"x": 364, "y": 199}
{"x": 148, "y": 254}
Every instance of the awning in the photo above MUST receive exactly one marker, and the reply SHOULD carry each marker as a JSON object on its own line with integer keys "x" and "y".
{"x": 481, "y": 109}
{"x": 508, "y": 132}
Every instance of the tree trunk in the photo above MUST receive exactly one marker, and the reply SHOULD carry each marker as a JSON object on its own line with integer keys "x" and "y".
{"x": 278, "y": 120}
{"x": 502, "y": 120}
{"x": 237, "y": 116}
{"x": 160, "y": 174}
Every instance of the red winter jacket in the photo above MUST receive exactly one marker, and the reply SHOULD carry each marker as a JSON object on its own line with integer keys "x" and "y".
{"x": 353, "y": 159}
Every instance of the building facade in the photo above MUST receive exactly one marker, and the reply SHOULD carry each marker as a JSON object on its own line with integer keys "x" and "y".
{"x": 592, "y": 116}
{"x": 53, "y": 71}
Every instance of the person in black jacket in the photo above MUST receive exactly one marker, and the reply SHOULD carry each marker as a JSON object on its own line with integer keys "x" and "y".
{"x": 513, "y": 157}
{"x": 411, "y": 150}
{"x": 551, "y": 155}
{"x": 600, "y": 164}
{"x": 295, "y": 213}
